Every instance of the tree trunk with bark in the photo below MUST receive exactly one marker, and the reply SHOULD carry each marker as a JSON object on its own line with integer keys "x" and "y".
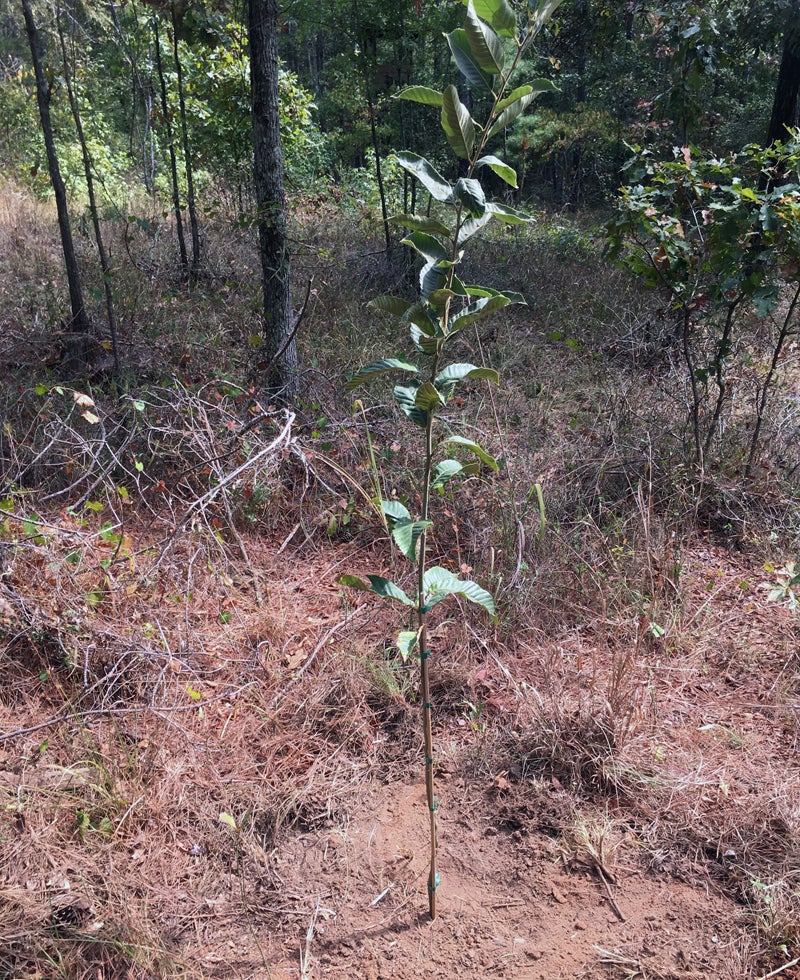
{"x": 281, "y": 351}
{"x": 194, "y": 227}
{"x": 76, "y": 342}
{"x": 173, "y": 160}
{"x": 787, "y": 89}
{"x": 93, "y": 209}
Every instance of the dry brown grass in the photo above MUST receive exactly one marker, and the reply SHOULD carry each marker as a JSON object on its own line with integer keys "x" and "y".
{"x": 175, "y": 645}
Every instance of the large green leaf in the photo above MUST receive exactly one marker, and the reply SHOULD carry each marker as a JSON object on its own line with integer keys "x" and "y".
{"x": 428, "y": 247}
{"x": 421, "y": 93}
{"x": 503, "y": 171}
{"x": 499, "y": 13}
{"x": 380, "y": 586}
{"x": 465, "y": 60}
{"x": 457, "y": 372}
{"x": 419, "y": 314}
{"x": 486, "y": 458}
{"x": 439, "y": 583}
{"x": 432, "y": 278}
{"x": 477, "y": 310}
{"x": 404, "y": 398}
{"x": 419, "y": 222}
{"x": 395, "y": 511}
{"x": 427, "y": 175}
{"x": 510, "y": 295}
{"x": 510, "y": 113}
{"x": 517, "y": 93}
{"x": 390, "y": 304}
{"x": 457, "y": 123}
{"x": 406, "y": 534}
{"x": 485, "y": 45}
{"x": 427, "y": 397}
{"x": 470, "y": 193}
{"x": 377, "y": 368}
{"x": 424, "y": 342}
{"x": 509, "y": 215}
{"x": 542, "y": 11}
{"x": 444, "y": 472}
{"x": 471, "y": 226}
{"x": 537, "y": 87}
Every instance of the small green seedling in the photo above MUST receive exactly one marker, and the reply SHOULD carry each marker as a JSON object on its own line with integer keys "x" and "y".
{"x": 487, "y": 51}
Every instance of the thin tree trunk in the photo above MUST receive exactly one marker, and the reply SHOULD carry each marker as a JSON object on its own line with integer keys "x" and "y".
{"x": 281, "y": 350}
{"x": 785, "y": 332}
{"x": 173, "y": 160}
{"x": 87, "y": 168}
{"x": 387, "y": 231}
{"x": 723, "y": 349}
{"x": 76, "y": 348}
{"x": 187, "y": 156}
{"x": 688, "y": 357}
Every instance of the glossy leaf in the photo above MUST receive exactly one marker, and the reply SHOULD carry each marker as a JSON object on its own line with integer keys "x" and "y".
{"x": 457, "y": 372}
{"x": 444, "y": 472}
{"x": 378, "y": 368}
{"x": 424, "y": 342}
{"x": 499, "y": 13}
{"x": 380, "y": 586}
{"x": 421, "y": 93}
{"x": 419, "y": 222}
{"x": 510, "y": 113}
{"x": 503, "y": 171}
{"x": 471, "y": 226}
{"x": 395, "y": 511}
{"x": 406, "y": 534}
{"x": 512, "y": 97}
{"x": 439, "y": 583}
{"x": 427, "y": 397}
{"x": 470, "y": 193}
{"x": 404, "y": 398}
{"x": 465, "y": 60}
{"x": 510, "y": 295}
{"x": 395, "y": 305}
{"x": 427, "y": 246}
{"x": 542, "y": 11}
{"x": 508, "y": 215}
{"x": 457, "y": 123}
{"x": 427, "y": 175}
{"x": 418, "y": 314}
{"x": 432, "y": 278}
{"x": 486, "y": 458}
{"x": 485, "y": 45}
{"x": 477, "y": 310}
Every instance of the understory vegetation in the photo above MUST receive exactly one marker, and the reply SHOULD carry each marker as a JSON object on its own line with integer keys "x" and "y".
{"x": 185, "y": 685}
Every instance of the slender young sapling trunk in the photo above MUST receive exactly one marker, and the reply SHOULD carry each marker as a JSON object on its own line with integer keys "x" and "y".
{"x": 487, "y": 51}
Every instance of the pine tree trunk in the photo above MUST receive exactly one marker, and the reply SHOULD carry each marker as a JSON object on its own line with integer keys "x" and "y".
{"x": 282, "y": 370}
{"x": 76, "y": 344}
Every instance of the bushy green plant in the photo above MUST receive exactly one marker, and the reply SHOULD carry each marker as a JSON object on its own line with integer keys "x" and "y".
{"x": 719, "y": 235}
{"x": 487, "y": 50}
